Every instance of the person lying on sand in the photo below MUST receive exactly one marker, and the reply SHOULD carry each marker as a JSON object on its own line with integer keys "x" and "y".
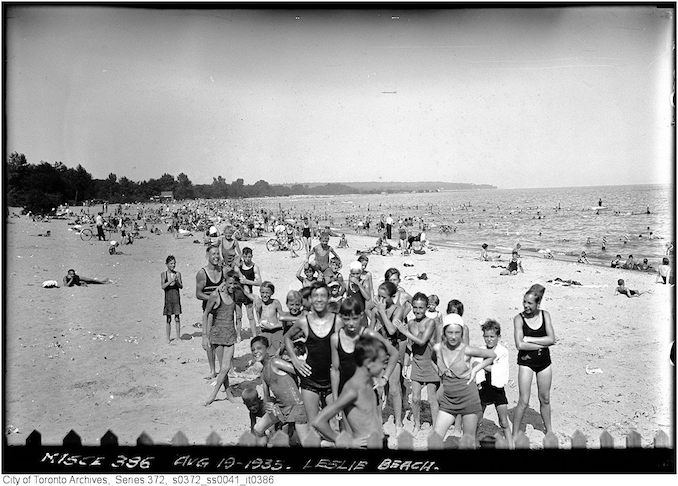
{"x": 622, "y": 289}
{"x": 72, "y": 279}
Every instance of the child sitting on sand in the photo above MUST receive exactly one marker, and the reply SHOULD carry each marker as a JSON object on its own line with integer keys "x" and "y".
{"x": 343, "y": 243}
{"x": 514, "y": 265}
{"x": 622, "y": 289}
{"x": 113, "y": 248}
{"x": 617, "y": 262}
{"x": 582, "y": 258}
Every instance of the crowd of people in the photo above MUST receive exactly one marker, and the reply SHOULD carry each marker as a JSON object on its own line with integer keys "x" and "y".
{"x": 341, "y": 349}
{"x": 336, "y": 353}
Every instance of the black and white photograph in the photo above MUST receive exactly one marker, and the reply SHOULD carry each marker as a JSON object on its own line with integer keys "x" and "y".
{"x": 338, "y": 237}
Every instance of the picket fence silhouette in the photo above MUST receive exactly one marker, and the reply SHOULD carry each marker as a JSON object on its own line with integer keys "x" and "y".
{"x": 405, "y": 441}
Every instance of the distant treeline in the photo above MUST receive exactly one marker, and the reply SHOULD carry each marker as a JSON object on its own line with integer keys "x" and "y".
{"x": 44, "y": 186}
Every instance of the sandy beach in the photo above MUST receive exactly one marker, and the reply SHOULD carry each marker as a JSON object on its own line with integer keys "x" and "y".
{"x": 95, "y": 358}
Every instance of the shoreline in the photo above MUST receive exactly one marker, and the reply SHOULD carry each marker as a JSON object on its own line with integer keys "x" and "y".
{"x": 92, "y": 359}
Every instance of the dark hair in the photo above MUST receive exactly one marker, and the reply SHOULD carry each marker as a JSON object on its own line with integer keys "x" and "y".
{"x": 491, "y": 325}
{"x": 363, "y": 257}
{"x": 420, "y": 296}
{"x": 665, "y": 261}
{"x": 259, "y": 339}
{"x": 70, "y": 270}
{"x": 390, "y": 287}
{"x": 484, "y": 245}
{"x": 351, "y": 306}
{"x": 433, "y": 298}
{"x": 170, "y": 258}
{"x": 250, "y": 394}
{"x": 210, "y": 246}
{"x": 246, "y": 250}
{"x": 317, "y": 285}
{"x": 620, "y": 281}
{"x": 268, "y": 285}
{"x": 391, "y": 271}
{"x": 455, "y": 307}
{"x": 538, "y": 292}
{"x": 234, "y": 275}
{"x": 367, "y": 348}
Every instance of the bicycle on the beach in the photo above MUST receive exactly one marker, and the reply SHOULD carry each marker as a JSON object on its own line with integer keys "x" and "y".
{"x": 88, "y": 233}
{"x": 274, "y": 244}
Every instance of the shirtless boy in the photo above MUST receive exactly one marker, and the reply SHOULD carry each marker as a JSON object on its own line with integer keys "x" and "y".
{"x": 322, "y": 256}
{"x": 268, "y": 311}
{"x": 358, "y": 401}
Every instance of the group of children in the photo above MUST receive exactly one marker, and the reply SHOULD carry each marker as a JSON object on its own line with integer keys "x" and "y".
{"x": 344, "y": 366}
{"x": 341, "y": 350}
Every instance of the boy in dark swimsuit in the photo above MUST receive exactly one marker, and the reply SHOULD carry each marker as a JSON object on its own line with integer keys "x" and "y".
{"x": 317, "y": 327}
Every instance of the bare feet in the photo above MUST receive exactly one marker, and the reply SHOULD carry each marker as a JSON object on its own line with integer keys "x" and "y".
{"x": 211, "y": 376}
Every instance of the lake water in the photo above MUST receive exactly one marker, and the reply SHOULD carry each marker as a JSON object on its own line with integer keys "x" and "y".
{"x": 503, "y": 217}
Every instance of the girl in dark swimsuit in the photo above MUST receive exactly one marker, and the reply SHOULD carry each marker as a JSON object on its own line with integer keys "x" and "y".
{"x": 533, "y": 335}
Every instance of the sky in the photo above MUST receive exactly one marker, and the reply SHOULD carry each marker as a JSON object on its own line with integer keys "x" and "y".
{"x": 516, "y": 98}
